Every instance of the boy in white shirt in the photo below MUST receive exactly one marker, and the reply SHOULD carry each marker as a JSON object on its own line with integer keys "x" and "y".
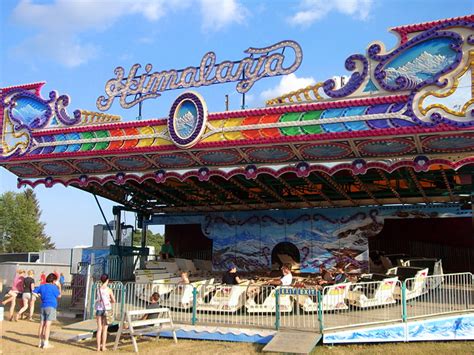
{"x": 286, "y": 279}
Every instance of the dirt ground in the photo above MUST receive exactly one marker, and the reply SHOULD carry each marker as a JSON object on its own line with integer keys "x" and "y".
{"x": 21, "y": 338}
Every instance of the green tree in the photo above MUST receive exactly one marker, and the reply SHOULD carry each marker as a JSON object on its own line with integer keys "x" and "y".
{"x": 20, "y": 227}
{"x": 155, "y": 240}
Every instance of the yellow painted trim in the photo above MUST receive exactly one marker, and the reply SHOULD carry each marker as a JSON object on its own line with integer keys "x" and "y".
{"x": 296, "y": 96}
{"x": 7, "y": 150}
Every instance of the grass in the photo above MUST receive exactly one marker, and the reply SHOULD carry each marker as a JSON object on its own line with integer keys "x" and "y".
{"x": 197, "y": 347}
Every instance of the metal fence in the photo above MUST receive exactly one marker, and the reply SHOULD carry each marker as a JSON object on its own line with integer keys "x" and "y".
{"x": 195, "y": 254}
{"x": 318, "y": 309}
{"x": 121, "y": 267}
{"x": 442, "y": 294}
{"x": 350, "y": 305}
{"x": 65, "y": 301}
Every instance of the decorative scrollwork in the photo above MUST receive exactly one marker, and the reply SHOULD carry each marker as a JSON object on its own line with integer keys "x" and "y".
{"x": 355, "y": 81}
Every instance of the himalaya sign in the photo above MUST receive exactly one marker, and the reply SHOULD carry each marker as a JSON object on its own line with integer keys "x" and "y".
{"x": 261, "y": 63}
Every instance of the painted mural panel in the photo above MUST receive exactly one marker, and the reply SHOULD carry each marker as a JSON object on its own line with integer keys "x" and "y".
{"x": 322, "y": 236}
{"x": 447, "y": 328}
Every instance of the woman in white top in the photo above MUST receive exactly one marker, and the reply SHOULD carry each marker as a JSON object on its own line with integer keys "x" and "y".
{"x": 103, "y": 302}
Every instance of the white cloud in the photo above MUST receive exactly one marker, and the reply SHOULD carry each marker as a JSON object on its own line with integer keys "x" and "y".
{"x": 217, "y": 14}
{"x": 287, "y": 83}
{"x": 314, "y": 10}
{"x": 60, "y": 24}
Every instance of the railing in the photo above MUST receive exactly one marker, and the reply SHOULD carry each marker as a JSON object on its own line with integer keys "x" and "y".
{"x": 65, "y": 301}
{"x": 121, "y": 267}
{"x": 443, "y": 294}
{"x": 298, "y": 308}
{"x": 317, "y": 309}
{"x": 365, "y": 303}
{"x": 118, "y": 290}
{"x": 237, "y": 305}
{"x": 195, "y": 254}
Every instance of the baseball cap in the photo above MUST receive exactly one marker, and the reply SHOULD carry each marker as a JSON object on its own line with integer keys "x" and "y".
{"x": 231, "y": 266}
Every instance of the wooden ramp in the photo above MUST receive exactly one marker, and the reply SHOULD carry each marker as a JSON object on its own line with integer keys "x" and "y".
{"x": 89, "y": 325}
{"x": 71, "y": 335}
{"x": 291, "y": 341}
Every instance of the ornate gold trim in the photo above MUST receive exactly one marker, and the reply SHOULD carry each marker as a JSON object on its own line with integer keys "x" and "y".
{"x": 462, "y": 113}
{"x": 290, "y": 97}
{"x": 6, "y": 148}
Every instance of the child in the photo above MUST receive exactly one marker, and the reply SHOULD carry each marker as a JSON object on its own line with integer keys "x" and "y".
{"x": 155, "y": 297}
{"x": 49, "y": 294}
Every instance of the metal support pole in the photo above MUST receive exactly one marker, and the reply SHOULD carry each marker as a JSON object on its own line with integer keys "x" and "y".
{"x": 143, "y": 243}
{"x": 320, "y": 311}
{"x": 194, "y": 318}
{"x": 86, "y": 293}
{"x": 277, "y": 309}
{"x": 404, "y": 302}
{"x": 472, "y": 206}
{"x": 118, "y": 229}
{"x": 243, "y": 94}
{"x": 118, "y": 242}
{"x": 122, "y": 300}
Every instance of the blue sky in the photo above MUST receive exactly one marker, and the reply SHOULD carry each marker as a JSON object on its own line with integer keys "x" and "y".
{"x": 74, "y": 45}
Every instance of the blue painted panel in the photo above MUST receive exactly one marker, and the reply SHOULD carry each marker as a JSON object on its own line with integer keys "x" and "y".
{"x": 356, "y": 126}
{"x": 376, "y": 109}
{"x": 400, "y": 107}
{"x": 422, "y": 61}
{"x": 441, "y": 328}
{"x": 59, "y": 148}
{"x": 258, "y": 339}
{"x": 451, "y": 328}
{"x": 73, "y": 147}
{"x": 333, "y": 113}
{"x": 367, "y": 335}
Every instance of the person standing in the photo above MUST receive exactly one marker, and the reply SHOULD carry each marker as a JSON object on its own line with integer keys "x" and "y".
{"x": 103, "y": 303}
{"x": 42, "y": 278}
{"x": 61, "y": 280}
{"x": 167, "y": 250}
{"x": 28, "y": 298}
{"x": 49, "y": 293}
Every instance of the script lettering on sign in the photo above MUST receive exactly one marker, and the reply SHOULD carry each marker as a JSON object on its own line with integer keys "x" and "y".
{"x": 261, "y": 63}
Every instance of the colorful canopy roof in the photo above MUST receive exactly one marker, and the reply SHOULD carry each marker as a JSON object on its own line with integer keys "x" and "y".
{"x": 399, "y": 131}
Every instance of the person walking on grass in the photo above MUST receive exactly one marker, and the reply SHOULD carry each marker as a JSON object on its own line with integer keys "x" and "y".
{"x": 49, "y": 294}
{"x": 103, "y": 304}
{"x": 15, "y": 293}
{"x": 28, "y": 298}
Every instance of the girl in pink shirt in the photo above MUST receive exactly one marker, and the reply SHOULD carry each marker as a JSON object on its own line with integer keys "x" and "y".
{"x": 16, "y": 291}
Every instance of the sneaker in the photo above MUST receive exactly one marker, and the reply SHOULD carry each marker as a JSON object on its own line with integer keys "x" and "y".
{"x": 47, "y": 345}
{"x": 40, "y": 344}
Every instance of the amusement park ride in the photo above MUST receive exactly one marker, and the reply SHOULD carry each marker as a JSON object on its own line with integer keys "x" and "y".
{"x": 399, "y": 132}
